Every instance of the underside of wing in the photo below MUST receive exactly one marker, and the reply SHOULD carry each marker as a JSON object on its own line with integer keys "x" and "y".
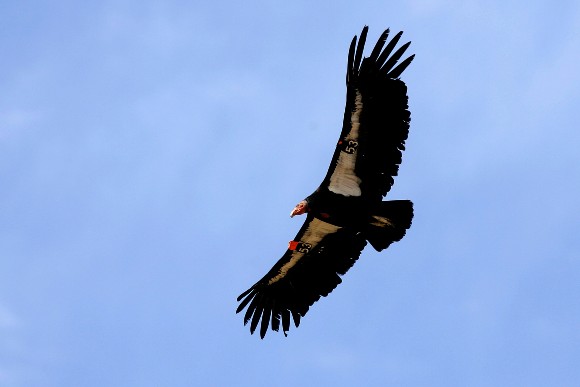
{"x": 376, "y": 121}
{"x": 309, "y": 269}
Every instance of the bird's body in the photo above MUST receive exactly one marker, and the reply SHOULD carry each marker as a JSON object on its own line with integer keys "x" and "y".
{"x": 346, "y": 210}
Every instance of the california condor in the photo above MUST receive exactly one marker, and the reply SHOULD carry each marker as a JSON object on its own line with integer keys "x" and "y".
{"x": 346, "y": 210}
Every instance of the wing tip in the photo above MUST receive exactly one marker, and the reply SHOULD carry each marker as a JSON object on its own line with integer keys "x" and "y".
{"x": 400, "y": 68}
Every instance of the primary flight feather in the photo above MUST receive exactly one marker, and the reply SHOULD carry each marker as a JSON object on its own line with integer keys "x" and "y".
{"x": 346, "y": 210}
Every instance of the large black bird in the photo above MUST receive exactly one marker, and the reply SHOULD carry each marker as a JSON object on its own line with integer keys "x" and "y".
{"x": 346, "y": 210}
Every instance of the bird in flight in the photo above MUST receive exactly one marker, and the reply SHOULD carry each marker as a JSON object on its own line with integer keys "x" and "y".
{"x": 347, "y": 209}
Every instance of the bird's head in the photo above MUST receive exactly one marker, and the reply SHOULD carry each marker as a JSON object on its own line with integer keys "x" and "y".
{"x": 300, "y": 208}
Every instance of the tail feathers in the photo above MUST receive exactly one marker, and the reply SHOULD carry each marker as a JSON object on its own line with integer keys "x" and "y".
{"x": 389, "y": 223}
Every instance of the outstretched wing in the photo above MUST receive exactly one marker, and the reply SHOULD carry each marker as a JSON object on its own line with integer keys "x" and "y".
{"x": 310, "y": 268}
{"x": 376, "y": 121}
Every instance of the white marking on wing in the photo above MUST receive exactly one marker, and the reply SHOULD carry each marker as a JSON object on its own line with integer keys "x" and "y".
{"x": 317, "y": 230}
{"x": 344, "y": 181}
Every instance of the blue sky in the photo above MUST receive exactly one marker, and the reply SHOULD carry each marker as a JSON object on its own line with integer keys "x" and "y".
{"x": 150, "y": 153}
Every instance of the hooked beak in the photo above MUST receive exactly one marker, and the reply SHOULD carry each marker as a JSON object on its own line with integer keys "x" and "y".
{"x": 300, "y": 208}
